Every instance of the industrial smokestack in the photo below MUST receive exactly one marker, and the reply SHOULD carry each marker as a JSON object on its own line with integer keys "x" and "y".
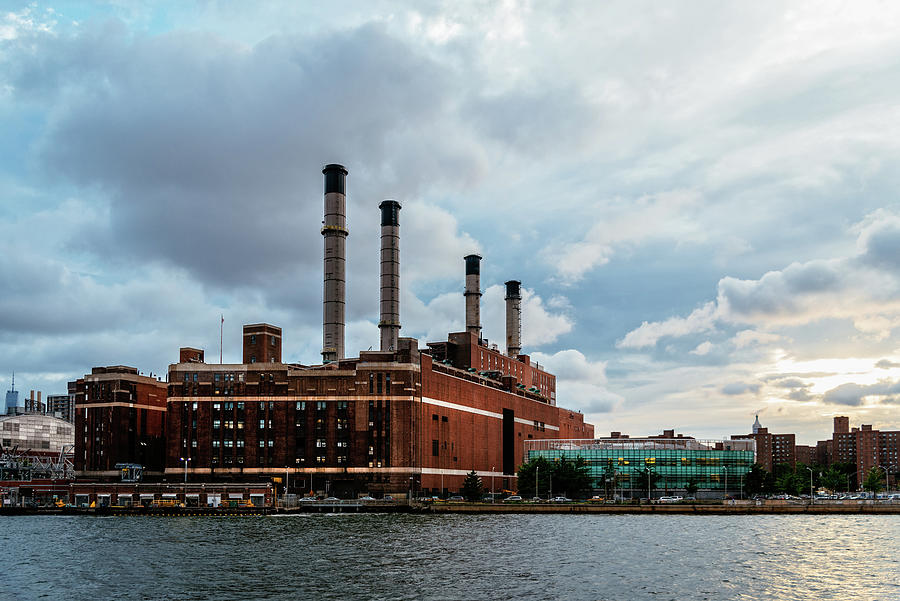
{"x": 473, "y": 294}
{"x": 513, "y": 318}
{"x": 390, "y": 274}
{"x": 334, "y": 229}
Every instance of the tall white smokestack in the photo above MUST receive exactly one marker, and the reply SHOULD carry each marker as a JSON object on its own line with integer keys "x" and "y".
{"x": 513, "y": 318}
{"x": 473, "y": 294}
{"x": 335, "y": 232}
{"x": 390, "y": 274}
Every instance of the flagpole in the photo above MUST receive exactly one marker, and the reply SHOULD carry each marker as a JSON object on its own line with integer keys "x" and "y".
{"x": 221, "y": 326}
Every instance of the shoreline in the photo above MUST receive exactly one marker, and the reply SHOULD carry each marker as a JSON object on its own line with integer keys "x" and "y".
{"x": 476, "y": 508}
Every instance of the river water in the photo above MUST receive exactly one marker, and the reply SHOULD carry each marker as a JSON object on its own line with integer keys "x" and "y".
{"x": 380, "y": 556}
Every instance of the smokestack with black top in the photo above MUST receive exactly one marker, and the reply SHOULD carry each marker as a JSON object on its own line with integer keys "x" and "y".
{"x": 473, "y": 294}
{"x": 390, "y": 275}
{"x": 513, "y": 318}
{"x": 334, "y": 230}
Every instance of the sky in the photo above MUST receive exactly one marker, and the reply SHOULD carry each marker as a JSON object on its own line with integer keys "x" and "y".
{"x": 699, "y": 198}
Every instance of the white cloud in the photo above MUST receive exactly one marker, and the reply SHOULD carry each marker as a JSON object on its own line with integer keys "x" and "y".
{"x": 702, "y": 349}
{"x": 580, "y": 383}
{"x": 648, "y": 334}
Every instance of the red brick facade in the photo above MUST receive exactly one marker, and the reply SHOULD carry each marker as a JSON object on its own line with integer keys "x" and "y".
{"x": 119, "y": 418}
{"x": 383, "y": 423}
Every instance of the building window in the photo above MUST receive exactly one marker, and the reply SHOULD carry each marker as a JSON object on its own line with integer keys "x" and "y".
{"x": 272, "y": 340}
{"x": 379, "y": 386}
{"x": 435, "y": 448}
{"x": 301, "y": 405}
{"x": 387, "y": 383}
{"x": 252, "y": 338}
{"x": 320, "y": 443}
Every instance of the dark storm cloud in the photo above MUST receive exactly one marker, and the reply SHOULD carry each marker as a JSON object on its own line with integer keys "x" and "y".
{"x": 886, "y": 364}
{"x": 210, "y": 153}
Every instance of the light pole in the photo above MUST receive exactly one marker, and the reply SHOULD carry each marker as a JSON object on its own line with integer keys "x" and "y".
{"x": 492, "y": 484}
{"x": 537, "y": 470}
{"x": 742, "y": 486}
{"x": 811, "y": 496}
{"x": 649, "y": 494}
{"x": 725, "y": 490}
{"x": 185, "y": 460}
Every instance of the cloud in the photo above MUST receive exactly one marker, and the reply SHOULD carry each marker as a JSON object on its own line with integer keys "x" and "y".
{"x": 580, "y": 383}
{"x": 649, "y": 333}
{"x": 749, "y": 338}
{"x": 620, "y": 223}
{"x": 854, "y": 395}
{"x": 738, "y": 388}
{"x": 702, "y": 349}
{"x": 886, "y": 364}
{"x": 856, "y": 288}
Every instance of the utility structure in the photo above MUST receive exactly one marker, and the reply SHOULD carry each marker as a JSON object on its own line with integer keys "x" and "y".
{"x": 389, "y": 324}
{"x": 513, "y": 318}
{"x": 334, "y": 230}
{"x": 473, "y": 294}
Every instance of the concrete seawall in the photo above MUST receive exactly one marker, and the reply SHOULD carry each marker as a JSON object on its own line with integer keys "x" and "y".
{"x": 679, "y": 508}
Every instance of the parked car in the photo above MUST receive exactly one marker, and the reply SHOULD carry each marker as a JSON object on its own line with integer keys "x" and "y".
{"x": 456, "y": 498}
{"x": 512, "y": 499}
{"x": 596, "y": 499}
{"x": 387, "y": 498}
{"x": 560, "y": 500}
{"x": 332, "y": 500}
{"x": 367, "y": 498}
{"x": 308, "y": 500}
{"x": 672, "y": 499}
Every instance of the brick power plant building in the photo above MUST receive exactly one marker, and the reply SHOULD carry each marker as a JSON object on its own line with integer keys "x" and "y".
{"x": 389, "y": 421}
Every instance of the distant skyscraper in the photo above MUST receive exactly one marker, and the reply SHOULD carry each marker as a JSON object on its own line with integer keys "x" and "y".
{"x": 12, "y": 396}
{"x": 756, "y": 425}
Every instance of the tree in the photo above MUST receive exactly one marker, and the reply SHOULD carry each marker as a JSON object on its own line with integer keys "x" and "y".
{"x": 645, "y": 479}
{"x": 758, "y": 480}
{"x": 526, "y": 473}
{"x": 833, "y": 479}
{"x": 874, "y": 481}
{"x": 567, "y": 477}
{"x": 849, "y": 471}
{"x": 692, "y": 486}
{"x": 472, "y": 489}
{"x": 573, "y": 478}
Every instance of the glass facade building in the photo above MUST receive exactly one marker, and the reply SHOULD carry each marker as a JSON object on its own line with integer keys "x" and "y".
{"x": 625, "y": 465}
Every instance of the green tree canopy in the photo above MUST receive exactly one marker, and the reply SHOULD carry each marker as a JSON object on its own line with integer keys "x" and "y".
{"x": 473, "y": 488}
{"x": 874, "y": 481}
{"x": 567, "y": 477}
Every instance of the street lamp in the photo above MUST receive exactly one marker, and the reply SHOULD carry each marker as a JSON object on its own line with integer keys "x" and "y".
{"x": 492, "y": 484}
{"x": 537, "y": 470}
{"x": 725, "y": 490}
{"x": 811, "y": 496}
{"x": 185, "y": 460}
{"x": 649, "y": 494}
